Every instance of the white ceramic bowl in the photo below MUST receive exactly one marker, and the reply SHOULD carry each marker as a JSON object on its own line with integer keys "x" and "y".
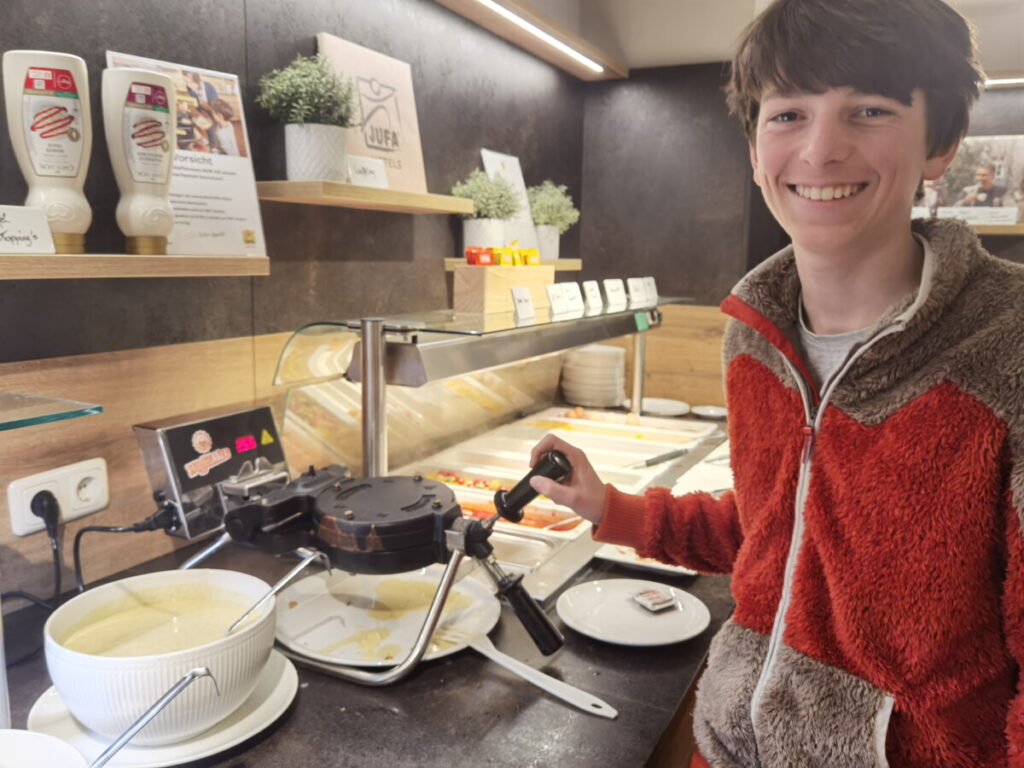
{"x": 107, "y": 694}
{"x": 27, "y": 749}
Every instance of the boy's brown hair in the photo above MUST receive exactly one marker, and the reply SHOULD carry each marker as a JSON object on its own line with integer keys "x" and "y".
{"x": 884, "y": 47}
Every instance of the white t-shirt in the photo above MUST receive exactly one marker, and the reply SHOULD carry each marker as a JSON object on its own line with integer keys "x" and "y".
{"x": 826, "y": 352}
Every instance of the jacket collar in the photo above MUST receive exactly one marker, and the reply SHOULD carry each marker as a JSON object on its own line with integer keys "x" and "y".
{"x": 772, "y": 289}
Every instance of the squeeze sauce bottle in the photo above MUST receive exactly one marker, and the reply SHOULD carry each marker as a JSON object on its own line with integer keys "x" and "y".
{"x": 139, "y": 114}
{"x": 48, "y": 117}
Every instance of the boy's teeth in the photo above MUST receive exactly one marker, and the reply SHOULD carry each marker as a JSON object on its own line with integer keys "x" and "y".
{"x": 828, "y": 193}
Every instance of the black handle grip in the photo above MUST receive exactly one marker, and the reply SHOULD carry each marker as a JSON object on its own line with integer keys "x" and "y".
{"x": 545, "y": 635}
{"x": 510, "y": 503}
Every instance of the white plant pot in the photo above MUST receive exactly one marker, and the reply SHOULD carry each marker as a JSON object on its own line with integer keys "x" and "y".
{"x": 483, "y": 233}
{"x": 314, "y": 152}
{"x": 547, "y": 241}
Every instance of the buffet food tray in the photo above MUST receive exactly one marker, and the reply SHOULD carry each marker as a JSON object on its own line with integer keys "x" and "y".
{"x": 615, "y": 442}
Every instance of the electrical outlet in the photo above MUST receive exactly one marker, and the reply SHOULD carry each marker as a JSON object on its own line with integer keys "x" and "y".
{"x": 81, "y": 489}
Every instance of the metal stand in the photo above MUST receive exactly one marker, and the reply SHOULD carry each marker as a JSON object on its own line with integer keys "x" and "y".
{"x": 639, "y": 360}
{"x": 419, "y": 648}
{"x": 374, "y": 389}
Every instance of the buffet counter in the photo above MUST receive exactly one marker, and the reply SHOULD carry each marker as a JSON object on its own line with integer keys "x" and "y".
{"x": 462, "y": 709}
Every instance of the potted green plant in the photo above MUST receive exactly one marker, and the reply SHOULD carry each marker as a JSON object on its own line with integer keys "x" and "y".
{"x": 494, "y": 202}
{"x": 553, "y": 213}
{"x": 317, "y": 105}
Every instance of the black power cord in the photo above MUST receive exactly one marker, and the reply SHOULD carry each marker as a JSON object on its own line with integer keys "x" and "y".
{"x": 44, "y": 505}
{"x": 165, "y": 518}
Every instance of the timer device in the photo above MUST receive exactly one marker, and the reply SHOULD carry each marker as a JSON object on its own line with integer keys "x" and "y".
{"x": 206, "y": 465}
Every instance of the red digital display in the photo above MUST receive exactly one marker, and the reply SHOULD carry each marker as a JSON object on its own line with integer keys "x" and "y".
{"x": 245, "y": 443}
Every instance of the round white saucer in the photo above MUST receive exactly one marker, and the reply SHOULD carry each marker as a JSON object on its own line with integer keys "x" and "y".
{"x": 605, "y": 610}
{"x": 274, "y": 692}
{"x": 709, "y": 411}
{"x": 661, "y": 406}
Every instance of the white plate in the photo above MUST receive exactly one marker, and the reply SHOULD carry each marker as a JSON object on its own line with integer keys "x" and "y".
{"x": 273, "y": 694}
{"x": 661, "y": 406}
{"x": 628, "y": 556}
{"x": 709, "y": 411}
{"x": 357, "y": 620}
{"x": 605, "y": 610}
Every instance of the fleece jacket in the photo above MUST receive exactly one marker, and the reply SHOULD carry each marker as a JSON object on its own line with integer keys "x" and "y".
{"x": 874, "y": 535}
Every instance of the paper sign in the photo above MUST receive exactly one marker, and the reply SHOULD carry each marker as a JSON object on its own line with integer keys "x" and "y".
{"x": 637, "y": 294}
{"x": 559, "y": 301}
{"x": 520, "y": 227}
{"x": 213, "y": 187}
{"x": 523, "y": 302}
{"x": 651, "y": 289}
{"x": 366, "y": 171}
{"x": 642, "y": 321}
{"x": 980, "y": 216}
{"x": 616, "y": 293}
{"x": 573, "y": 296}
{"x": 24, "y": 230}
{"x": 593, "y": 294}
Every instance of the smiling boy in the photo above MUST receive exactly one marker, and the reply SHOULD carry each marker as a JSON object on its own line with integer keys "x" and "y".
{"x": 875, "y": 381}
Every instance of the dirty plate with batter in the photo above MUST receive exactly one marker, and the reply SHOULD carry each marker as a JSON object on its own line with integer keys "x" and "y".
{"x": 367, "y": 620}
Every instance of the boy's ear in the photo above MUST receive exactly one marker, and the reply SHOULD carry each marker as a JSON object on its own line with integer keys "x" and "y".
{"x": 754, "y": 165}
{"x": 934, "y": 167}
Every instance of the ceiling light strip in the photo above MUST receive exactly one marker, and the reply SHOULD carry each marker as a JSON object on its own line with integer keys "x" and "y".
{"x": 539, "y": 33}
{"x": 997, "y": 82}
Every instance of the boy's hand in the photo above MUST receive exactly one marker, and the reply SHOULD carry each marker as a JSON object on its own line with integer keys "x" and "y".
{"x": 581, "y": 490}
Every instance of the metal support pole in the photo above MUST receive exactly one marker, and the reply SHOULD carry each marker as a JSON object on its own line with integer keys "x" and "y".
{"x": 639, "y": 359}
{"x": 374, "y": 388}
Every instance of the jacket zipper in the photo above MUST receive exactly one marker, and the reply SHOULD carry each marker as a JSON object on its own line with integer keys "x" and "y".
{"x": 810, "y": 430}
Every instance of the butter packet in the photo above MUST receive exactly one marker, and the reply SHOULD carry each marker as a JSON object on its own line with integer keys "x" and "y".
{"x": 655, "y": 600}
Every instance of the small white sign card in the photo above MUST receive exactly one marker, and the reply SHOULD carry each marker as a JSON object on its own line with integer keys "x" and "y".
{"x": 574, "y": 297}
{"x": 520, "y": 227}
{"x": 980, "y": 216}
{"x": 652, "y": 291}
{"x": 559, "y": 301}
{"x": 616, "y": 293}
{"x": 522, "y": 302}
{"x": 366, "y": 171}
{"x": 593, "y": 294}
{"x": 24, "y": 230}
{"x": 637, "y": 294}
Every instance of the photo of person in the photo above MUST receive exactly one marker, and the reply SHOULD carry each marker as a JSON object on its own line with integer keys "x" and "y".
{"x": 984, "y": 191}
{"x": 983, "y": 185}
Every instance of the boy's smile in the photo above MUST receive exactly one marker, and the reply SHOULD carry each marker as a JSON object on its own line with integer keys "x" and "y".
{"x": 839, "y": 169}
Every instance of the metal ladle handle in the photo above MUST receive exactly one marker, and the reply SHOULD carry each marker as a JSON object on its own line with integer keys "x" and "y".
{"x": 309, "y": 556}
{"x": 152, "y": 712}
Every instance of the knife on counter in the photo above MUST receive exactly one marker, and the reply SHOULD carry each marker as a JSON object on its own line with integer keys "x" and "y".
{"x": 660, "y": 458}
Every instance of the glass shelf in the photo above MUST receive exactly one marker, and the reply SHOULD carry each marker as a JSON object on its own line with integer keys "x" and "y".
{"x": 430, "y": 346}
{"x": 18, "y": 410}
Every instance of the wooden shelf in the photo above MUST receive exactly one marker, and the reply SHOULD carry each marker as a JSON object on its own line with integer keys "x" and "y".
{"x": 364, "y": 198}
{"x": 1000, "y": 229}
{"x": 54, "y": 266}
{"x": 516, "y": 35}
{"x": 560, "y": 265}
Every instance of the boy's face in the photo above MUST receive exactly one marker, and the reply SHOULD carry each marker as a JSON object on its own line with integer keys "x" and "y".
{"x": 839, "y": 169}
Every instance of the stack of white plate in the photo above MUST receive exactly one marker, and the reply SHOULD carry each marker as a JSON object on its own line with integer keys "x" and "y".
{"x": 595, "y": 375}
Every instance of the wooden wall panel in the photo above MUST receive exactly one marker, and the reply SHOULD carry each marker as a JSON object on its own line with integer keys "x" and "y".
{"x": 684, "y": 356}
{"x": 133, "y": 386}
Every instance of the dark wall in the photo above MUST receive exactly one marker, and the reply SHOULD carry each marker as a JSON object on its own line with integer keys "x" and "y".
{"x": 472, "y": 90}
{"x": 667, "y": 188}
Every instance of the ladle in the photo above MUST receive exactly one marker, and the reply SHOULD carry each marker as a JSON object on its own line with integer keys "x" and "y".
{"x": 152, "y": 712}
{"x": 309, "y": 555}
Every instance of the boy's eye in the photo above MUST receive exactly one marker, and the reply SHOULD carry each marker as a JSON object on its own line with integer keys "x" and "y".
{"x": 784, "y": 117}
{"x": 875, "y": 112}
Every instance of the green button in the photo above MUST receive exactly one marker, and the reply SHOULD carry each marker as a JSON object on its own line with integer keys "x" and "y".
{"x": 642, "y": 324}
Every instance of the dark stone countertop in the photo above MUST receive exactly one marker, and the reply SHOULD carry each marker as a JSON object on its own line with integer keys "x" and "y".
{"x": 463, "y": 710}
